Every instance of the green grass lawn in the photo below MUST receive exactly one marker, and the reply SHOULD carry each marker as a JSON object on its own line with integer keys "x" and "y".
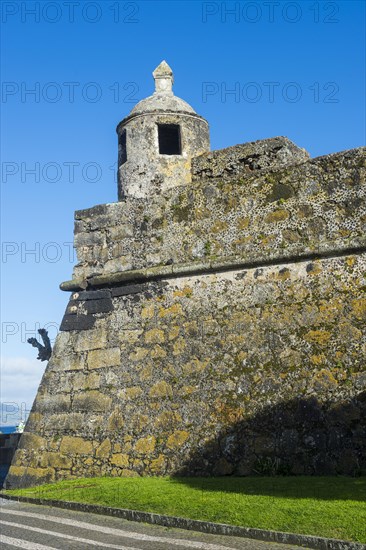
{"x": 332, "y": 507}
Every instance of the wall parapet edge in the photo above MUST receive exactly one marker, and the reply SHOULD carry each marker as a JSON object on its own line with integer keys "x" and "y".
{"x": 196, "y": 268}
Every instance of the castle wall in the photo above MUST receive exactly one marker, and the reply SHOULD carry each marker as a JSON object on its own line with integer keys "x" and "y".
{"x": 233, "y": 373}
{"x": 222, "y": 331}
{"x": 313, "y": 207}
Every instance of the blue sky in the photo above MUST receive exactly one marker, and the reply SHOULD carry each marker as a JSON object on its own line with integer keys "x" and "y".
{"x": 253, "y": 69}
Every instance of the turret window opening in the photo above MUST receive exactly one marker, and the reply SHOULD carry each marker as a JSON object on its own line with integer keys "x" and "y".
{"x": 169, "y": 139}
{"x": 122, "y": 147}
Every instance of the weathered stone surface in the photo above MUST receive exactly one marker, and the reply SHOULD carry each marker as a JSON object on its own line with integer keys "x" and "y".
{"x": 145, "y": 445}
{"x": 51, "y": 403}
{"x": 69, "y": 362}
{"x": 90, "y": 340}
{"x": 103, "y": 358}
{"x": 104, "y": 449}
{"x": 64, "y": 423}
{"x": 92, "y": 400}
{"x": 56, "y": 461}
{"x": 128, "y": 289}
{"x": 242, "y": 160}
{"x": 86, "y": 380}
{"x": 161, "y": 389}
{"x": 98, "y": 306}
{"x": 92, "y": 295}
{"x": 33, "y": 441}
{"x": 77, "y": 322}
{"x": 119, "y": 459}
{"x": 87, "y": 239}
{"x": 316, "y": 206}
{"x": 29, "y": 476}
{"x": 263, "y": 383}
{"x": 177, "y": 439}
{"x": 75, "y": 446}
{"x": 154, "y": 336}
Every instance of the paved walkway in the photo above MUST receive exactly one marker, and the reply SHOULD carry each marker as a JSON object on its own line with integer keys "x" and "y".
{"x": 34, "y": 527}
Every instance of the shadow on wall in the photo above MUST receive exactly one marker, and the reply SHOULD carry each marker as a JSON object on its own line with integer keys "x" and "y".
{"x": 296, "y": 437}
{"x": 8, "y": 445}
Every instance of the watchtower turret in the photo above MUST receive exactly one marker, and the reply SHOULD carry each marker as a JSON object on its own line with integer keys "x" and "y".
{"x": 158, "y": 139}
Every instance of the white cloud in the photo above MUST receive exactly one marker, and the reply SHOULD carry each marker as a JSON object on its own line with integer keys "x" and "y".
{"x": 19, "y": 381}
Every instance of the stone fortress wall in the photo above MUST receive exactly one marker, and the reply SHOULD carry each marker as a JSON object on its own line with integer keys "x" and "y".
{"x": 215, "y": 328}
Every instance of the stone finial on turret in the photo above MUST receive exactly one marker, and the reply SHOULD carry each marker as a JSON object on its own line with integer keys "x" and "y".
{"x": 163, "y": 76}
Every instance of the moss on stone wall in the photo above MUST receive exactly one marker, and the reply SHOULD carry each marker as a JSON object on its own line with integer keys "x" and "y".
{"x": 316, "y": 206}
{"x": 216, "y": 374}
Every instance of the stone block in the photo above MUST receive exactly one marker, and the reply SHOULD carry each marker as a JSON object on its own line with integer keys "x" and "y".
{"x": 62, "y": 342}
{"x": 223, "y": 467}
{"x": 32, "y": 441}
{"x": 104, "y": 449}
{"x": 80, "y": 227}
{"x": 120, "y": 232}
{"x": 75, "y": 446}
{"x": 130, "y": 394}
{"x": 86, "y": 214}
{"x": 129, "y": 336}
{"x": 145, "y": 445}
{"x": 154, "y": 336}
{"x": 66, "y": 383}
{"x": 55, "y": 460}
{"x": 158, "y": 352}
{"x": 177, "y": 439}
{"x": 119, "y": 459}
{"x": 161, "y": 389}
{"x": 27, "y": 476}
{"x": 98, "y": 306}
{"x": 158, "y": 466}
{"x": 53, "y": 403}
{"x": 77, "y": 322}
{"x": 70, "y": 363}
{"x": 277, "y": 216}
{"x": 64, "y": 423}
{"x": 88, "y": 380}
{"x": 85, "y": 295}
{"x": 109, "y": 357}
{"x": 138, "y": 354}
{"x": 115, "y": 420}
{"x": 127, "y": 289}
{"x": 91, "y": 401}
{"x": 359, "y": 308}
{"x": 89, "y": 238}
{"x": 90, "y": 340}
{"x": 120, "y": 263}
